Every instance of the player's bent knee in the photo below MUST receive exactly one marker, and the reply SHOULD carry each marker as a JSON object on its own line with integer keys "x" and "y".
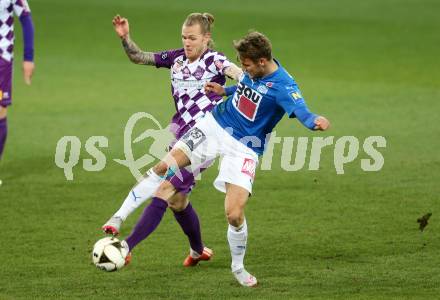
{"x": 178, "y": 202}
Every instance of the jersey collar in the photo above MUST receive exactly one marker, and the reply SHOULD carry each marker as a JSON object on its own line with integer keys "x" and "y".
{"x": 269, "y": 76}
{"x": 273, "y": 74}
{"x": 198, "y": 59}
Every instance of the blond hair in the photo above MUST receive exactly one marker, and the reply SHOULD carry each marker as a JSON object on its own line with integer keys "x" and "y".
{"x": 205, "y": 21}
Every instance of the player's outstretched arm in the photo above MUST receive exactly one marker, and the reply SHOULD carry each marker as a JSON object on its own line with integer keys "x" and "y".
{"x": 134, "y": 53}
{"x": 294, "y": 105}
{"x": 311, "y": 120}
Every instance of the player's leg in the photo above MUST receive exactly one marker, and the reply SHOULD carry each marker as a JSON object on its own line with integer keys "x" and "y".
{"x": 191, "y": 148}
{"x": 235, "y": 202}
{"x": 152, "y": 215}
{"x": 184, "y": 213}
{"x": 144, "y": 189}
{"x": 3, "y": 129}
{"x": 188, "y": 219}
{"x": 201, "y": 145}
{"x": 5, "y": 99}
{"x": 150, "y": 218}
{"x": 236, "y": 175}
{"x": 191, "y": 145}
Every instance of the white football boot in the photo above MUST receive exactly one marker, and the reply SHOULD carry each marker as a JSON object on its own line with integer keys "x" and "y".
{"x": 112, "y": 226}
{"x": 244, "y": 278}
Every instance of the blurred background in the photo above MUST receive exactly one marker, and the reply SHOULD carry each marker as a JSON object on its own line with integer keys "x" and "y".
{"x": 371, "y": 67}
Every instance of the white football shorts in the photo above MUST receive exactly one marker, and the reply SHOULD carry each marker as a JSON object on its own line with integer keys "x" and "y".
{"x": 207, "y": 140}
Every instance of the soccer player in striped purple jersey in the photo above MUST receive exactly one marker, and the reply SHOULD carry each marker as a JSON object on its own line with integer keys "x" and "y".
{"x": 7, "y": 10}
{"x": 191, "y": 67}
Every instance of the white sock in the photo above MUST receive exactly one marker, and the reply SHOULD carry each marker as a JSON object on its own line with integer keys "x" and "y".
{"x": 139, "y": 194}
{"x": 193, "y": 253}
{"x": 237, "y": 238}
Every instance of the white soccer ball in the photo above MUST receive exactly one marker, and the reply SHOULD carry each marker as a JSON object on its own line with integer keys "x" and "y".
{"x": 108, "y": 254}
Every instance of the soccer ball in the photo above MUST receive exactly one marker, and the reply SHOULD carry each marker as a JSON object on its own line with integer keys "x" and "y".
{"x": 109, "y": 255}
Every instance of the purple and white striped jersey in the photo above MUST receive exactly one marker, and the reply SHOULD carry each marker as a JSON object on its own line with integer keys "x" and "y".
{"x": 7, "y": 10}
{"x": 187, "y": 84}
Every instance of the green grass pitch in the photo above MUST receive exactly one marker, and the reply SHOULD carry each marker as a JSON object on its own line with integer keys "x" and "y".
{"x": 372, "y": 67}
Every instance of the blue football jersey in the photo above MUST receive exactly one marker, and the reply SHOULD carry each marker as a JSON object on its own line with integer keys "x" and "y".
{"x": 258, "y": 104}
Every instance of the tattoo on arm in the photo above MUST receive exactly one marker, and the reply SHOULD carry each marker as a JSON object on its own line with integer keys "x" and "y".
{"x": 233, "y": 72}
{"x": 136, "y": 55}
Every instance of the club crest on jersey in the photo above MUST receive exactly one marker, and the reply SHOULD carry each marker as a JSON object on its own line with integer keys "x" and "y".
{"x": 177, "y": 66}
{"x": 247, "y": 101}
{"x": 269, "y": 84}
{"x": 164, "y": 55}
{"x": 198, "y": 73}
{"x": 248, "y": 167}
{"x": 262, "y": 89}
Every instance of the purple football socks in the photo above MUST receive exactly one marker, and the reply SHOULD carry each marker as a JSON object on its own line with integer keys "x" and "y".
{"x": 189, "y": 221}
{"x": 3, "y": 134}
{"x": 152, "y": 216}
{"x": 148, "y": 222}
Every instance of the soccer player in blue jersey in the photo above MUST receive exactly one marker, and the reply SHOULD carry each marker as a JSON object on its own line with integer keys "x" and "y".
{"x": 237, "y": 131}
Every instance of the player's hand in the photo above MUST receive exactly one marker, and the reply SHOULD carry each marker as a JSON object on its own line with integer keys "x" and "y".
{"x": 28, "y": 71}
{"x": 121, "y": 26}
{"x": 321, "y": 123}
{"x": 214, "y": 87}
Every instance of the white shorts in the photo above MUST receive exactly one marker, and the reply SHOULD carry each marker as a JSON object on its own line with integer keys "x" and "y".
{"x": 207, "y": 140}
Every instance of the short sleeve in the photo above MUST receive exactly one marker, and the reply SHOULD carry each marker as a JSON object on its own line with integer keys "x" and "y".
{"x": 21, "y": 8}
{"x": 290, "y": 99}
{"x": 165, "y": 59}
{"x": 219, "y": 63}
